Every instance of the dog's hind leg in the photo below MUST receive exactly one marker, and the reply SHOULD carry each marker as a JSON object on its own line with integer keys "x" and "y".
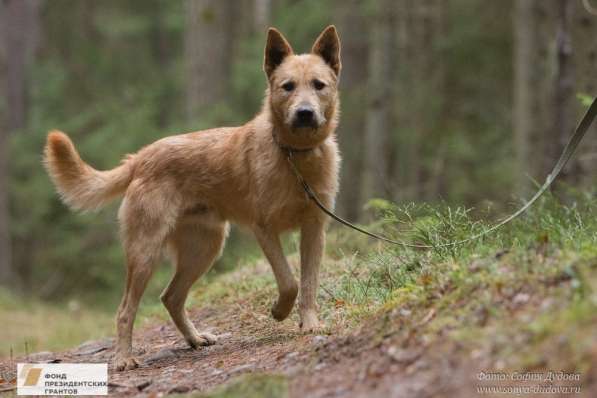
{"x": 195, "y": 247}
{"x": 144, "y": 231}
{"x": 138, "y": 273}
{"x": 287, "y": 287}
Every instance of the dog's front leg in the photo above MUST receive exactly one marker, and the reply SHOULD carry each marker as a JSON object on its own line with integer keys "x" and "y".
{"x": 312, "y": 246}
{"x": 287, "y": 287}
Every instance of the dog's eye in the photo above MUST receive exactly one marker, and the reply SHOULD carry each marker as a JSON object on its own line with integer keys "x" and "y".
{"x": 318, "y": 84}
{"x": 289, "y": 86}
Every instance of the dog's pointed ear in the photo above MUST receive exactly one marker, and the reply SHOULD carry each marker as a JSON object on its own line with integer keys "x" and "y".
{"x": 327, "y": 46}
{"x": 276, "y": 49}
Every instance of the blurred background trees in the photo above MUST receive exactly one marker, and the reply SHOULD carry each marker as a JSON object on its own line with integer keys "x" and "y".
{"x": 463, "y": 101}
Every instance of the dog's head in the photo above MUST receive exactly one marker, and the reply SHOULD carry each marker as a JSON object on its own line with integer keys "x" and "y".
{"x": 303, "y": 93}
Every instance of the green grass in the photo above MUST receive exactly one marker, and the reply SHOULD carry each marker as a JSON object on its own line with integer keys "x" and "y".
{"x": 30, "y": 326}
{"x": 533, "y": 282}
{"x": 259, "y": 385}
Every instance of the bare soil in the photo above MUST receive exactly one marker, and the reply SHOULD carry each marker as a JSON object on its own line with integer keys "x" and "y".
{"x": 385, "y": 357}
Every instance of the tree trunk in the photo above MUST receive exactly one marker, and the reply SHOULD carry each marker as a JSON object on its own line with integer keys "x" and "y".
{"x": 354, "y": 33}
{"x": 419, "y": 104}
{"x": 563, "y": 85}
{"x": 19, "y": 37}
{"x": 208, "y": 49}
{"x": 19, "y": 40}
{"x": 261, "y": 15}
{"x": 524, "y": 43}
{"x": 553, "y": 62}
{"x": 20, "y": 34}
{"x": 378, "y": 123}
{"x": 535, "y": 69}
{"x": 6, "y": 270}
{"x": 584, "y": 63}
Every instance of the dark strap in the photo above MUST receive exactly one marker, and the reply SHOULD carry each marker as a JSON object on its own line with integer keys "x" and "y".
{"x": 567, "y": 153}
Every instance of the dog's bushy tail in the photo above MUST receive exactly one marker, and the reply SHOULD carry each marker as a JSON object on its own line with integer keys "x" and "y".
{"x": 81, "y": 186}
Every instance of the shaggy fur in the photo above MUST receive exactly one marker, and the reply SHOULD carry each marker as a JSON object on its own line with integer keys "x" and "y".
{"x": 182, "y": 191}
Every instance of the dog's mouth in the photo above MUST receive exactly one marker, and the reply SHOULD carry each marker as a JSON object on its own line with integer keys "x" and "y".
{"x": 304, "y": 125}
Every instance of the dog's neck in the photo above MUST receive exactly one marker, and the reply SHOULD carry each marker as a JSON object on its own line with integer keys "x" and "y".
{"x": 288, "y": 148}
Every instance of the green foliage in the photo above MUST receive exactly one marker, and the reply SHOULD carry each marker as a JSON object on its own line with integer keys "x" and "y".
{"x": 395, "y": 274}
{"x": 585, "y": 99}
{"x": 250, "y": 386}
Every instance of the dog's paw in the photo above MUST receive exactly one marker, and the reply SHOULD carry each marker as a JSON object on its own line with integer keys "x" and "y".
{"x": 125, "y": 363}
{"x": 310, "y": 323}
{"x": 202, "y": 339}
{"x": 281, "y": 312}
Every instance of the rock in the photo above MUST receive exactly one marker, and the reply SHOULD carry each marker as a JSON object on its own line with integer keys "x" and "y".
{"x": 292, "y": 355}
{"x": 319, "y": 339}
{"x": 143, "y": 385}
{"x": 242, "y": 369}
{"x": 521, "y": 298}
{"x": 93, "y": 347}
{"x": 403, "y": 356}
{"x": 41, "y": 356}
{"x": 160, "y": 355}
{"x": 320, "y": 366}
{"x": 216, "y": 372}
{"x": 179, "y": 389}
{"x": 476, "y": 265}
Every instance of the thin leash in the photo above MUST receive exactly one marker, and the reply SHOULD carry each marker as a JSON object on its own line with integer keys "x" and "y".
{"x": 567, "y": 153}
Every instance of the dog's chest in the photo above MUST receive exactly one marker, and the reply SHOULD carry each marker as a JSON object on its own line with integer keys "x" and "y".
{"x": 287, "y": 203}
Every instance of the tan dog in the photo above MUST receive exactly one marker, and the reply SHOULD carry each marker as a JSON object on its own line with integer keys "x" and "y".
{"x": 181, "y": 191}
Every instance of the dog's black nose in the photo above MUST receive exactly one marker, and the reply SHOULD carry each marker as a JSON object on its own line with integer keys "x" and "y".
{"x": 304, "y": 115}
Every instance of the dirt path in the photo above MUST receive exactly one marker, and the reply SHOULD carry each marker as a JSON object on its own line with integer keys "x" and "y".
{"x": 388, "y": 356}
{"x": 359, "y": 364}
{"x": 316, "y": 365}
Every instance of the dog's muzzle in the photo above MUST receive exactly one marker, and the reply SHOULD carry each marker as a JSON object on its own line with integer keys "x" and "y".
{"x": 304, "y": 117}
